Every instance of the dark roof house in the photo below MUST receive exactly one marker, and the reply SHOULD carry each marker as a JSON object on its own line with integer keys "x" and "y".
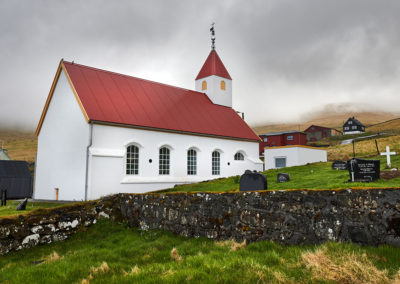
{"x": 353, "y": 126}
{"x": 15, "y": 177}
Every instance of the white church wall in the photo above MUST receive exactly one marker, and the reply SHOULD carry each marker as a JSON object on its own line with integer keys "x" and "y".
{"x": 214, "y": 92}
{"x": 107, "y": 159}
{"x": 62, "y": 142}
{"x": 295, "y": 155}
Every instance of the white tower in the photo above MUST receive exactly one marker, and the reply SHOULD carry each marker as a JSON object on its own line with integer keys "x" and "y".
{"x": 213, "y": 78}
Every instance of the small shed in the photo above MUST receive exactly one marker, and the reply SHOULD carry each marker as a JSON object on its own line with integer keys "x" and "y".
{"x": 289, "y": 156}
{"x": 16, "y": 178}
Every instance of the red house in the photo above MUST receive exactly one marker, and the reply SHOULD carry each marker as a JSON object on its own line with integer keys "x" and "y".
{"x": 316, "y": 133}
{"x": 275, "y": 139}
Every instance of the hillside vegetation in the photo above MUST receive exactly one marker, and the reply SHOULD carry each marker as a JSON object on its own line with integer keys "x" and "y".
{"x": 113, "y": 253}
{"x": 393, "y": 124}
{"x": 332, "y": 120}
{"x": 20, "y": 145}
{"x": 365, "y": 148}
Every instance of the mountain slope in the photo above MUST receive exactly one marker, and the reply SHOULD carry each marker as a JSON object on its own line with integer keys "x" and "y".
{"x": 333, "y": 120}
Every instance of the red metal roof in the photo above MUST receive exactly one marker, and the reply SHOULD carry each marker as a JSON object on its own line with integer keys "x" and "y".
{"x": 213, "y": 66}
{"x": 116, "y": 98}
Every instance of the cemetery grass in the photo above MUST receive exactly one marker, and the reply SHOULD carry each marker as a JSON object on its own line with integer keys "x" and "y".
{"x": 365, "y": 148}
{"x": 318, "y": 176}
{"x": 9, "y": 209}
{"x": 113, "y": 253}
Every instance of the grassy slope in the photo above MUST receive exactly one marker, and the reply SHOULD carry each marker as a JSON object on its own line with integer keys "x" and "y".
{"x": 364, "y": 148}
{"x": 333, "y": 120}
{"x": 20, "y": 145}
{"x": 388, "y": 125}
{"x": 9, "y": 209}
{"x": 313, "y": 176}
{"x": 133, "y": 256}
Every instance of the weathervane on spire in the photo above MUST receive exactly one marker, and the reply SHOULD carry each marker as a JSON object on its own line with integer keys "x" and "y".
{"x": 212, "y": 36}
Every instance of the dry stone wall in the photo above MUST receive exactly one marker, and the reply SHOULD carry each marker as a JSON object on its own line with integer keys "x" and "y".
{"x": 368, "y": 217}
{"x": 45, "y": 226}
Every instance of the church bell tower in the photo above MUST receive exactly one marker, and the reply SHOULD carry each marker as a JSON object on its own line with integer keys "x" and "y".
{"x": 213, "y": 78}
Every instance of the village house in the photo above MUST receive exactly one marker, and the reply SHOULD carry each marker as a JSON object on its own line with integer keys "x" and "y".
{"x": 288, "y": 148}
{"x": 316, "y": 133}
{"x": 102, "y": 133}
{"x": 353, "y": 126}
{"x": 284, "y": 138}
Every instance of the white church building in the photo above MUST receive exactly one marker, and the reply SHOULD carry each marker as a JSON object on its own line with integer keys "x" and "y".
{"x": 103, "y": 133}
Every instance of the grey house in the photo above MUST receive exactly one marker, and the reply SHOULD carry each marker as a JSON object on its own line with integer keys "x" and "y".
{"x": 15, "y": 177}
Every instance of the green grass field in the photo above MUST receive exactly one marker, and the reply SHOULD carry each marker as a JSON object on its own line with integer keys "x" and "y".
{"x": 113, "y": 253}
{"x": 313, "y": 176}
{"x": 9, "y": 209}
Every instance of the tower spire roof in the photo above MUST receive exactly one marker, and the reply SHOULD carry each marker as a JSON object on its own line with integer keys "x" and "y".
{"x": 213, "y": 66}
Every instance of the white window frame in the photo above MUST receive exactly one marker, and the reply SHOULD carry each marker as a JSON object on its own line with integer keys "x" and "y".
{"x": 164, "y": 161}
{"x": 191, "y": 164}
{"x": 289, "y": 138}
{"x": 216, "y": 163}
{"x": 239, "y": 156}
{"x": 132, "y": 161}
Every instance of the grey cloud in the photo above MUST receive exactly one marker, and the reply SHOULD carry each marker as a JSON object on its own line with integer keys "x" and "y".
{"x": 287, "y": 58}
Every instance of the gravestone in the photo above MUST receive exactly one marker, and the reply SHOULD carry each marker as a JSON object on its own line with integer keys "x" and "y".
{"x": 251, "y": 181}
{"x": 388, "y": 154}
{"x": 282, "y": 177}
{"x": 3, "y": 197}
{"x": 364, "y": 170}
{"x": 339, "y": 165}
{"x": 22, "y": 205}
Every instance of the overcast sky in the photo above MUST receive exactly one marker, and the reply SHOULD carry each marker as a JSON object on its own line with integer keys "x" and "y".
{"x": 286, "y": 58}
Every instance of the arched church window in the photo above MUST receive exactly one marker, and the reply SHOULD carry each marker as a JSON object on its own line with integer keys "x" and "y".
{"x": 239, "y": 157}
{"x": 192, "y": 162}
{"x": 163, "y": 168}
{"x": 223, "y": 87}
{"x": 216, "y": 163}
{"x": 204, "y": 85}
{"x": 132, "y": 160}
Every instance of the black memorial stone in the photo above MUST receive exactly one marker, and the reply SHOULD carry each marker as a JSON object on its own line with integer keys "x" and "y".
{"x": 22, "y": 205}
{"x": 251, "y": 181}
{"x": 364, "y": 170}
{"x": 339, "y": 165}
{"x": 282, "y": 177}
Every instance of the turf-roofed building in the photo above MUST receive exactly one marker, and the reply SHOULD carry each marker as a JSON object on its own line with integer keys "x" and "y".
{"x": 102, "y": 133}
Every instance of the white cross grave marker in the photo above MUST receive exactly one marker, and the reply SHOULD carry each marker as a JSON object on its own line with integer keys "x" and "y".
{"x": 388, "y": 154}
